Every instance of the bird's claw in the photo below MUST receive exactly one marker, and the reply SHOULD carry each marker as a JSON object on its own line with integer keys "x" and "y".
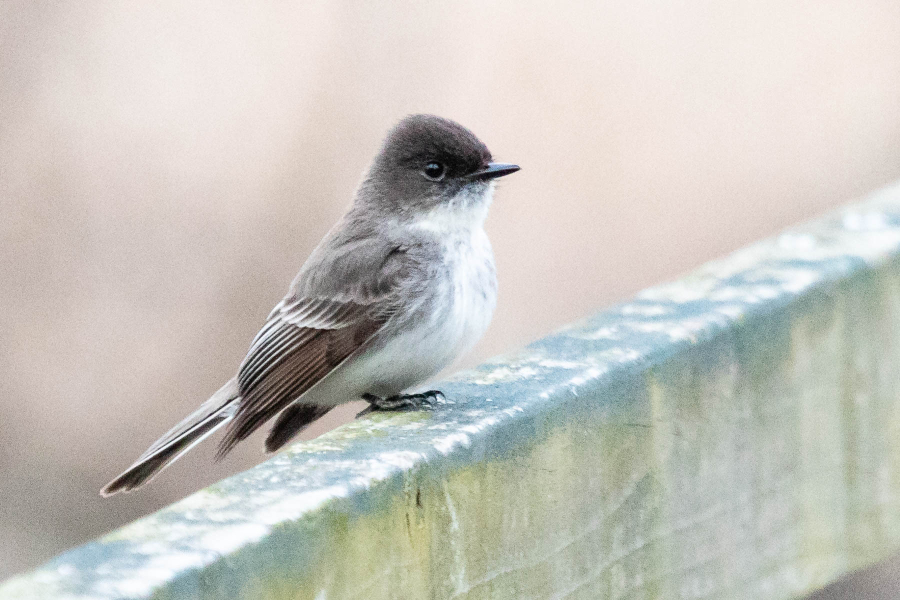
{"x": 403, "y": 402}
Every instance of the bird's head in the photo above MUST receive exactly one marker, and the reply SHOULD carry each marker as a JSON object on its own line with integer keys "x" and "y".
{"x": 432, "y": 169}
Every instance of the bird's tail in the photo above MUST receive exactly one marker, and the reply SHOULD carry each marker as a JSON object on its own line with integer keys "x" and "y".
{"x": 211, "y": 415}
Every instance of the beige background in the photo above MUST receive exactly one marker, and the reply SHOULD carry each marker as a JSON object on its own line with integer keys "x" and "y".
{"x": 166, "y": 167}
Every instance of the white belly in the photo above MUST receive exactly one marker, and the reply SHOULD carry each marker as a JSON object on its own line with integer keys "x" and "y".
{"x": 465, "y": 304}
{"x": 415, "y": 350}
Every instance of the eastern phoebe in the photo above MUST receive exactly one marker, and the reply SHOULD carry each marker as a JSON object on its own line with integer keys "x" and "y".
{"x": 399, "y": 288}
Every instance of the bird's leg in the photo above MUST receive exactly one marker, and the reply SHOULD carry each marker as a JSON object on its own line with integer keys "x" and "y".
{"x": 403, "y": 402}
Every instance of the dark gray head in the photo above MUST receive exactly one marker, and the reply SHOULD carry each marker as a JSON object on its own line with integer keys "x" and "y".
{"x": 429, "y": 164}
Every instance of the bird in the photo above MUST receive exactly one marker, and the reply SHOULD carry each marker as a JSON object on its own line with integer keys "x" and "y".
{"x": 397, "y": 290}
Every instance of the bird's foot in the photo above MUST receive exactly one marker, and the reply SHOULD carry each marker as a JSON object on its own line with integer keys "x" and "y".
{"x": 403, "y": 402}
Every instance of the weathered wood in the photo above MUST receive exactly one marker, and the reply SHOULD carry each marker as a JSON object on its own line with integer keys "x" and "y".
{"x": 734, "y": 434}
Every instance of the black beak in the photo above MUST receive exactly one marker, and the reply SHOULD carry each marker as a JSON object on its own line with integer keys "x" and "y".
{"x": 494, "y": 170}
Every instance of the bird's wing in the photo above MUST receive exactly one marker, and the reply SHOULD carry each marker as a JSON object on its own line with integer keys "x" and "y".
{"x": 306, "y": 337}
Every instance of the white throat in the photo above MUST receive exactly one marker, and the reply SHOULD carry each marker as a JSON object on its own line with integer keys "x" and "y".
{"x": 462, "y": 214}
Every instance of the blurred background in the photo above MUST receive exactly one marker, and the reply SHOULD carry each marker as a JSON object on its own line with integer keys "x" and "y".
{"x": 166, "y": 167}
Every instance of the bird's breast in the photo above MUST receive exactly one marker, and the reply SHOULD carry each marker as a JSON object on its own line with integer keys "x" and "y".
{"x": 471, "y": 293}
{"x": 450, "y": 316}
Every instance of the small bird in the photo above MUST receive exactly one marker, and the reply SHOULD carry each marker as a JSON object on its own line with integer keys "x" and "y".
{"x": 399, "y": 288}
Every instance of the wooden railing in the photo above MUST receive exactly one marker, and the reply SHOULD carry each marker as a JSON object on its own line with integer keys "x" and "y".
{"x": 733, "y": 434}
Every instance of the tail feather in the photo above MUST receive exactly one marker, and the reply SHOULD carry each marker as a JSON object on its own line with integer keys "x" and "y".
{"x": 211, "y": 415}
{"x": 292, "y": 421}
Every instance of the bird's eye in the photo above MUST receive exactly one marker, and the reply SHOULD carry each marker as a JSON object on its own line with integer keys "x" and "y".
{"x": 434, "y": 171}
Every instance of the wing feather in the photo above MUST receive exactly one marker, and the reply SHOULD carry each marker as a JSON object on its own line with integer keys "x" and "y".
{"x": 318, "y": 326}
{"x": 303, "y": 341}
